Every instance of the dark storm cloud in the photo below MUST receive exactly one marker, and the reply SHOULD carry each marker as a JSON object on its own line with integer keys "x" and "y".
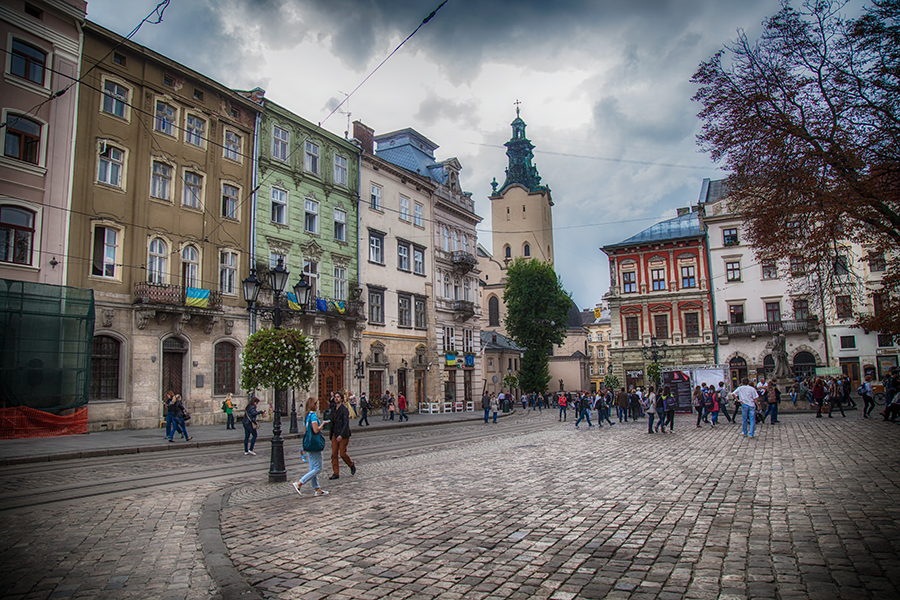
{"x": 434, "y": 108}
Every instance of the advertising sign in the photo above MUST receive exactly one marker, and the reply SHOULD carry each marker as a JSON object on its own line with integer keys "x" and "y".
{"x": 679, "y": 384}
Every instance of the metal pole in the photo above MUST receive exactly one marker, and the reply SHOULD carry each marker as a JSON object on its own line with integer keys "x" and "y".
{"x": 294, "y": 428}
{"x": 277, "y": 470}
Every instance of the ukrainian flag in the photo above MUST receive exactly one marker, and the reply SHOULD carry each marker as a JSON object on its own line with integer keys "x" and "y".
{"x": 196, "y": 297}
{"x": 292, "y": 302}
{"x": 339, "y": 305}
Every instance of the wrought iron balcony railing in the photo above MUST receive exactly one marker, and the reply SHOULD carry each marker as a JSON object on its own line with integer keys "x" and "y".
{"x": 176, "y": 295}
{"x": 768, "y": 327}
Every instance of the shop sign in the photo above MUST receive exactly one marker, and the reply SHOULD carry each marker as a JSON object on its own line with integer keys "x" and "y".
{"x": 635, "y": 374}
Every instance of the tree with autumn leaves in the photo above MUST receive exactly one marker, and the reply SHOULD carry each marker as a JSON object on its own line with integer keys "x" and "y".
{"x": 807, "y": 121}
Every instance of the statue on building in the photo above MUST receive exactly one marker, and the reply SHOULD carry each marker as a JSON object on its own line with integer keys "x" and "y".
{"x": 779, "y": 353}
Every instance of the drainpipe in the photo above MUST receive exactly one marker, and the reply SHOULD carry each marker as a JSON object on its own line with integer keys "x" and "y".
{"x": 253, "y": 199}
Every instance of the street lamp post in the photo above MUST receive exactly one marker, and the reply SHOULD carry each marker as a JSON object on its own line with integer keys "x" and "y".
{"x": 654, "y": 353}
{"x": 360, "y": 370}
{"x": 278, "y": 278}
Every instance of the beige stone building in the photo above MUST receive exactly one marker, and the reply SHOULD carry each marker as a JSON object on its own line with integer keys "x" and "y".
{"x": 396, "y": 271}
{"x": 160, "y": 231}
{"x": 598, "y": 331}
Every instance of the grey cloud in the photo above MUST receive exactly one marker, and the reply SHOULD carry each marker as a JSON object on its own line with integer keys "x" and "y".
{"x": 434, "y": 108}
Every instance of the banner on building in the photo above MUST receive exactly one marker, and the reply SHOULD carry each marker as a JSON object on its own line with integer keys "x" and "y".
{"x": 598, "y": 312}
{"x": 451, "y": 360}
{"x": 196, "y": 297}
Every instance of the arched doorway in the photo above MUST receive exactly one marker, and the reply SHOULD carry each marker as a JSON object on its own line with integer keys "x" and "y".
{"x": 804, "y": 365}
{"x": 738, "y": 368}
{"x": 768, "y": 367}
{"x": 174, "y": 351}
{"x": 331, "y": 369}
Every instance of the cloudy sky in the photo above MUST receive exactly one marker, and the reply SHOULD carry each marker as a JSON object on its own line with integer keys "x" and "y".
{"x": 604, "y": 87}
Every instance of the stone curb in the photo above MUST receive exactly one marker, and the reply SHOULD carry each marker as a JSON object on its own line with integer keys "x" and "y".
{"x": 229, "y": 581}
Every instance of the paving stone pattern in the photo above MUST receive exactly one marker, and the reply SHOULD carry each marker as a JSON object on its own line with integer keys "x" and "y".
{"x": 807, "y": 509}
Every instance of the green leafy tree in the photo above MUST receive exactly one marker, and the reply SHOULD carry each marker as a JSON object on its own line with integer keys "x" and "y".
{"x": 278, "y": 358}
{"x": 654, "y": 373}
{"x": 536, "y": 310}
{"x": 611, "y": 382}
{"x": 510, "y": 382}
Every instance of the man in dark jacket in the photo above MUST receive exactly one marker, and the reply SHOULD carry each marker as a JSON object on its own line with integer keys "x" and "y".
{"x": 340, "y": 436}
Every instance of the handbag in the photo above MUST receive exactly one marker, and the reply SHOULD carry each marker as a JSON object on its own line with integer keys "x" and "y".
{"x": 312, "y": 442}
{"x": 254, "y": 424}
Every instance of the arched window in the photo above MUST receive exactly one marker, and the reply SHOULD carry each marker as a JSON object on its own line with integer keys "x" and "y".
{"x": 455, "y": 241}
{"x": 466, "y": 289}
{"x": 768, "y": 366}
{"x": 507, "y": 252}
{"x": 157, "y": 263}
{"x": 225, "y": 368}
{"x": 446, "y": 240}
{"x": 105, "y": 368}
{"x": 465, "y": 243}
{"x": 804, "y": 364}
{"x": 447, "y": 286}
{"x": 16, "y": 235}
{"x": 527, "y": 250}
{"x": 190, "y": 267}
{"x": 493, "y": 312}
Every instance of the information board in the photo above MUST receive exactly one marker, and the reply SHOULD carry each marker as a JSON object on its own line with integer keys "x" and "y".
{"x": 679, "y": 384}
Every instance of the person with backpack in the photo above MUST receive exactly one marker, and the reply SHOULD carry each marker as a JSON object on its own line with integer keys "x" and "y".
{"x": 648, "y": 404}
{"x": 836, "y": 396}
{"x": 697, "y": 403}
{"x": 670, "y": 403}
{"x": 584, "y": 411}
{"x": 364, "y": 409}
{"x": 710, "y": 405}
{"x": 865, "y": 390}
{"x": 773, "y": 398}
{"x": 722, "y": 400}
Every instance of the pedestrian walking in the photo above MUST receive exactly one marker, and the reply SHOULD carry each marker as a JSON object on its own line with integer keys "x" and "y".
{"x": 401, "y": 405}
{"x": 836, "y": 397}
{"x": 622, "y": 405}
{"x": 181, "y": 416}
{"x": 486, "y": 405}
{"x": 847, "y": 398}
{"x": 351, "y": 400}
{"x": 250, "y": 425}
{"x": 865, "y": 390}
{"x": 364, "y": 409}
{"x": 563, "y": 403}
{"x": 818, "y": 396}
{"x": 714, "y": 407}
{"x": 340, "y": 437}
{"x": 722, "y": 400}
{"x": 671, "y": 404}
{"x": 169, "y": 408}
{"x": 660, "y": 406}
{"x": 749, "y": 398}
{"x": 773, "y": 399}
{"x": 495, "y": 406}
{"x": 584, "y": 411}
{"x": 697, "y": 403}
{"x": 228, "y": 405}
{"x": 385, "y": 401}
{"x": 315, "y": 458}
{"x": 649, "y": 406}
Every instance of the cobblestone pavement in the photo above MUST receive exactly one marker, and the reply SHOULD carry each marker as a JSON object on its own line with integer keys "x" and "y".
{"x": 807, "y": 509}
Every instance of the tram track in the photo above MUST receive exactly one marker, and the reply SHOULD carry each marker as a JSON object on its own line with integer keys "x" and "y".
{"x": 40, "y": 484}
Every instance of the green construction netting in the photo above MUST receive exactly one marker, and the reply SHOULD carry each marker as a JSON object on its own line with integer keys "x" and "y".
{"x": 45, "y": 345}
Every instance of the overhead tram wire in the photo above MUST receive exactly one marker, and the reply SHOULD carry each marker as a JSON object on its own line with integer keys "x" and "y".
{"x": 603, "y": 158}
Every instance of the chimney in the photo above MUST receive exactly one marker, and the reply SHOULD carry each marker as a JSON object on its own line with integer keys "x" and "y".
{"x": 695, "y": 208}
{"x": 365, "y": 135}
{"x": 257, "y": 94}
{"x": 683, "y": 211}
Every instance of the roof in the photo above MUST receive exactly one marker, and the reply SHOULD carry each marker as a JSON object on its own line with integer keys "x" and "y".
{"x": 714, "y": 190}
{"x": 411, "y": 150}
{"x": 683, "y": 226}
{"x": 574, "y": 319}
{"x": 502, "y": 342}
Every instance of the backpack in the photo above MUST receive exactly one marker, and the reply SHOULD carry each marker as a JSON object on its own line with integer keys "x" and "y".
{"x": 224, "y": 406}
{"x": 861, "y": 390}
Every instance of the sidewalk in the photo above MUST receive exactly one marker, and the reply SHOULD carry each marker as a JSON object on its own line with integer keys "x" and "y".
{"x": 134, "y": 441}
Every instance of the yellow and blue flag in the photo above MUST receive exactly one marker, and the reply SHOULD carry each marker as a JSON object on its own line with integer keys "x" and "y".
{"x": 196, "y": 297}
{"x": 292, "y": 302}
{"x": 339, "y": 305}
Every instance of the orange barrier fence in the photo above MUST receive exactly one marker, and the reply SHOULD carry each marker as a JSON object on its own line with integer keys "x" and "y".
{"x": 24, "y": 422}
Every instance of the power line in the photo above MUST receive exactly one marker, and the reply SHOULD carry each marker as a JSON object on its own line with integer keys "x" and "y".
{"x": 618, "y": 160}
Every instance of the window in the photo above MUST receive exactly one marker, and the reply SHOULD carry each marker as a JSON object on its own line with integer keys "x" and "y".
{"x": 465, "y": 243}
{"x": 228, "y": 272}
{"x": 161, "y": 181}
{"x": 658, "y": 277}
{"x": 447, "y": 291}
{"x": 455, "y": 241}
{"x": 157, "y": 263}
{"x": 798, "y": 266}
{"x": 224, "y": 377}
{"x": 16, "y": 235}
{"x": 340, "y": 225}
{"x": 109, "y": 167}
{"x": 168, "y": 80}
{"x": 841, "y": 265}
{"x": 688, "y": 276}
{"x": 193, "y": 134}
{"x": 449, "y": 339}
{"x": 446, "y": 240}
{"x": 773, "y": 312}
{"x": 418, "y": 260}
{"x": 376, "y": 248}
{"x": 629, "y": 282}
{"x": 466, "y": 290}
{"x": 469, "y": 341}
{"x": 165, "y": 118}
{"x": 23, "y": 139}
{"x": 34, "y": 11}
{"x": 848, "y": 341}
{"x": 193, "y": 189}
{"x": 403, "y": 256}
{"x": 417, "y": 215}
{"x": 232, "y": 146}
{"x": 115, "y": 98}
{"x": 190, "y": 267}
{"x": 801, "y": 309}
{"x": 527, "y": 250}
{"x": 404, "y": 208}
{"x": 376, "y": 306}
{"x": 493, "y": 312}
{"x": 105, "y": 368}
{"x": 661, "y": 326}
{"x": 456, "y": 288}
{"x": 198, "y": 95}
{"x": 280, "y": 142}
{"x": 632, "y": 331}
{"x": 733, "y": 271}
{"x": 729, "y": 237}
{"x": 376, "y": 197}
{"x": 507, "y": 252}
{"x": 279, "y": 206}
{"x": 229, "y": 201}
{"x": 119, "y": 59}
{"x": 885, "y": 339}
{"x": 311, "y": 272}
{"x": 340, "y": 170}
{"x": 340, "y": 283}
{"x": 27, "y": 62}
{"x": 274, "y": 257}
{"x": 769, "y": 269}
{"x": 692, "y": 324}
{"x": 879, "y": 300}
{"x": 404, "y": 310}
{"x": 877, "y": 262}
{"x": 420, "y": 313}
{"x": 106, "y": 247}
{"x": 311, "y": 218}
{"x": 843, "y": 306}
{"x": 311, "y": 160}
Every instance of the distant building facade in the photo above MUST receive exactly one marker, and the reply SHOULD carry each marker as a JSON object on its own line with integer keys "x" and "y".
{"x": 598, "y": 333}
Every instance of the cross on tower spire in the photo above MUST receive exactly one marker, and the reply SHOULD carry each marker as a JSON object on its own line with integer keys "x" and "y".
{"x": 517, "y": 103}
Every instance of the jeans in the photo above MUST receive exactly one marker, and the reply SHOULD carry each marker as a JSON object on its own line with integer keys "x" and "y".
{"x": 403, "y": 415}
{"x": 868, "y": 405}
{"x": 670, "y": 420}
{"x": 315, "y": 467}
{"x": 748, "y": 416}
{"x": 178, "y": 426}
{"x": 603, "y": 415}
{"x": 585, "y": 414}
{"x": 649, "y": 422}
{"x": 249, "y": 436}
{"x": 364, "y": 417}
{"x": 170, "y": 424}
{"x": 487, "y": 413}
{"x": 622, "y": 413}
{"x": 773, "y": 410}
{"x": 230, "y": 423}
{"x": 660, "y": 418}
{"x": 699, "y": 410}
{"x": 715, "y": 417}
{"x": 562, "y": 413}
{"x": 840, "y": 405}
{"x": 495, "y": 416}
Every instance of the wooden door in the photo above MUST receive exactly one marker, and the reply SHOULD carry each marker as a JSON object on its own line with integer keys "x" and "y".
{"x": 376, "y": 387}
{"x": 401, "y": 382}
{"x": 851, "y": 369}
{"x": 331, "y": 368}
{"x": 420, "y": 387}
{"x": 174, "y": 350}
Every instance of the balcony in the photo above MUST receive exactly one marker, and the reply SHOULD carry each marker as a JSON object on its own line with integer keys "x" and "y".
{"x": 464, "y": 309}
{"x": 463, "y": 261}
{"x": 174, "y": 295}
{"x": 767, "y": 328}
